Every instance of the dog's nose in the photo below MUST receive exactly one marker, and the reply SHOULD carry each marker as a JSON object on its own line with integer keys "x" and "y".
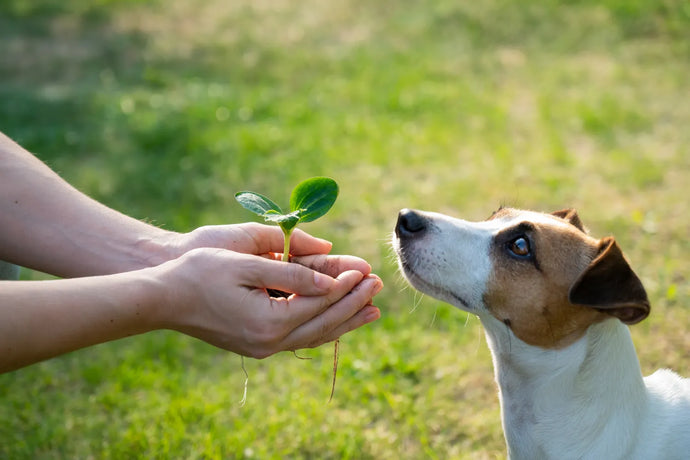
{"x": 410, "y": 222}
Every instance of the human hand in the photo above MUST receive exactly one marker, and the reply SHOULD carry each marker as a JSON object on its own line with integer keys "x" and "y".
{"x": 248, "y": 238}
{"x": 219, "y": 296}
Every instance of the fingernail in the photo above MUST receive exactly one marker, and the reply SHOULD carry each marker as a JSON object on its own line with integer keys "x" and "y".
{"x": 351, "y": 273}
{"x": 325, "y": 241}
{"x": 378, "y": 285}
{"x": 322, "y": 281}
{"x": 372, "y": 314}
{"x": 374, "y": 284}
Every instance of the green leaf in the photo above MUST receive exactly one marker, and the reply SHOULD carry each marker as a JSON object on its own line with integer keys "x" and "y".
{"x": 272, "y": 216}
{"x": 313, "y": 198}
{"x": 257, "y": 203}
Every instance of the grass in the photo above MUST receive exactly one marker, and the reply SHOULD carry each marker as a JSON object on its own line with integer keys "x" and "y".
{"x": 165, "y": 109}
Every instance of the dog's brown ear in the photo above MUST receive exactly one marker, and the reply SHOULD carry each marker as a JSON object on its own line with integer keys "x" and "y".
{"x": 609, "y": 285}
{"x": 570, "y": 215}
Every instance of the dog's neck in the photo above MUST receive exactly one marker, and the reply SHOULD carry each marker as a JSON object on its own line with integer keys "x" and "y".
{"x": 567, "y": 400}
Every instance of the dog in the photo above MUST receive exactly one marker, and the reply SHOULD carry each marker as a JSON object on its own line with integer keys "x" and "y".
{"x": 555, "y": 304}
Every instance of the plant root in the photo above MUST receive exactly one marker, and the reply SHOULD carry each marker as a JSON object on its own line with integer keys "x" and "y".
{"x": 306, "y": 358}
{"x": 246, "y": 382}
{"x": 335, "y": 367}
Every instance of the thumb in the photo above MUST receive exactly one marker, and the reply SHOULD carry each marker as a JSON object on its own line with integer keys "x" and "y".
{"x": 289, "y": 277}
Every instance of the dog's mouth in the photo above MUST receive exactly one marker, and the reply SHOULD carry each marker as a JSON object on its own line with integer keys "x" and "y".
{"x": 427, "y": 287}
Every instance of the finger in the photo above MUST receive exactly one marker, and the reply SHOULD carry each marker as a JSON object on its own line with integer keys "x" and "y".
{"x": 366, "y": 315}
{"x": 259, "y": 272}
{"x": 302, "y": 243}
{"x": 303, "y": 309}
{"x": 334, "y": 265}
{"x": 321, "y": 328}
{"x": 261, "y": 239}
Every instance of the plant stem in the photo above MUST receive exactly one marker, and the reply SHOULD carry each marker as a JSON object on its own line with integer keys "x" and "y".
{"x": 286, "y": 247}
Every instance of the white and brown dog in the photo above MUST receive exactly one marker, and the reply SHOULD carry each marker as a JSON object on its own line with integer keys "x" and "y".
{"x": 555, "y": 304}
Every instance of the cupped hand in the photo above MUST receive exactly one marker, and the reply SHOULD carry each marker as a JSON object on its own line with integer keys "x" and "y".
{"x": 220, "y": 296}
{"x": 249, "y": 238}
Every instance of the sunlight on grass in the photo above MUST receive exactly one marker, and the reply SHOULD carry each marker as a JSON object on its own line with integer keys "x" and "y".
{"x": 165, "y": 109}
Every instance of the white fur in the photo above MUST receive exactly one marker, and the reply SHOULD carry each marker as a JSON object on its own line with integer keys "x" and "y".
{"x": 453, "y": 240}
{"x": 585, "y": 401}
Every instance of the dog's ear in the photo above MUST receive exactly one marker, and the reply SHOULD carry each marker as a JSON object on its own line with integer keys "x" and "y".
{"x": 609, "y": 285}
{"x": 570, "y": 215}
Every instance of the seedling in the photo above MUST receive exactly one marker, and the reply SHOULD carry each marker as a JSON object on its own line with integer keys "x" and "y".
{"x": 309, "y": 200}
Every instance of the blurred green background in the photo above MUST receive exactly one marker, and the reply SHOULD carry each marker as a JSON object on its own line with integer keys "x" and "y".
{"x": 164, "y": 109}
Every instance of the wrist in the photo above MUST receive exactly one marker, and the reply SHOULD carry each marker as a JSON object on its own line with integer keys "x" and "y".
{"x": 153, "y": 250}
{"x": 154, "y": 298}
{"x": 167, "y": 287}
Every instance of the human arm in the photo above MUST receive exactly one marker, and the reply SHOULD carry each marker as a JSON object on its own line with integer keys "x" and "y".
{"x": 48, "y": 225}
{"x": 218, "y": 296}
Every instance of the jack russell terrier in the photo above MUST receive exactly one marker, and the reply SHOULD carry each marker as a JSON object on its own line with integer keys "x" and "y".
{"x": 555, "y": 304}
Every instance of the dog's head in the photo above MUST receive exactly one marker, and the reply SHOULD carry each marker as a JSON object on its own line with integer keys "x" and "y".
{"x": 541, "y": 275}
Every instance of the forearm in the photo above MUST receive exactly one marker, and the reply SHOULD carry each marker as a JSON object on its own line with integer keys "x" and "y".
{"x": 48, "y": 225}
{"x": 218, "y": 296}
{"x": 43, "y": 319}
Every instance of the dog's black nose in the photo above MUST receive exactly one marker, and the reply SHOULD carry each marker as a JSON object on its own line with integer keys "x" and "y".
{"x": 410, "y": 222}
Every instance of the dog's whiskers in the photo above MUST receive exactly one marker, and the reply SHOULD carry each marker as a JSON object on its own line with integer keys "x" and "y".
{"x": 479, "y": 338}
{"x": 433, "y": 318}
{"x": 418, "y": 296}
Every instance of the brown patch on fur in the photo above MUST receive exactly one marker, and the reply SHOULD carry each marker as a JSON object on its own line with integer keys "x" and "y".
{"x": 610, "y": 285}
{"x": 570, "y": 216}
{"x": 531, "y": 295}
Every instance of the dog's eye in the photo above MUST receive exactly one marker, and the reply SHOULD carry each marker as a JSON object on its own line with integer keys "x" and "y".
{"x": 520, "y": 246}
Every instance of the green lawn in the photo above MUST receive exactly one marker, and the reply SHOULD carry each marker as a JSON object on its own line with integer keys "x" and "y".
{"x": 164, "y": 109}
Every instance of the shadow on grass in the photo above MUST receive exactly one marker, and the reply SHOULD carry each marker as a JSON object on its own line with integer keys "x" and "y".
{"x": 135, "y": 128}
{"x": 67, "y": 72}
